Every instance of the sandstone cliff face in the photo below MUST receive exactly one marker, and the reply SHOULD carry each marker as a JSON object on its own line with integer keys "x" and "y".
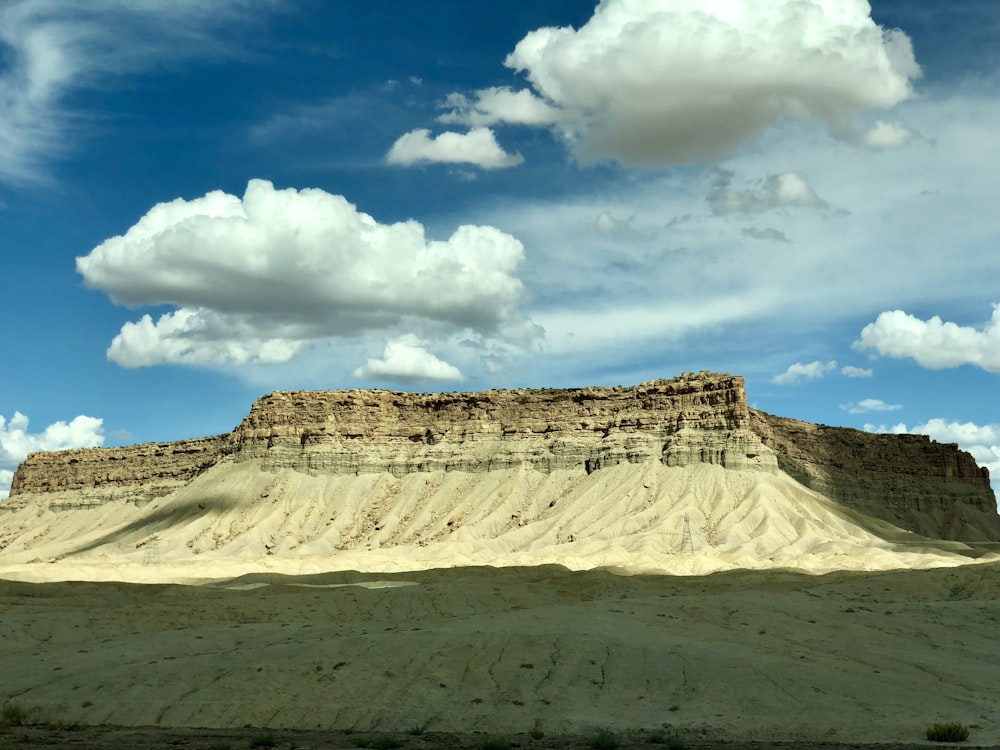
{"x": 909, "y": 480}
{"x": 137, "y": 473}
{"x": 695, "y": 418}
{"x": 933, "y": 489}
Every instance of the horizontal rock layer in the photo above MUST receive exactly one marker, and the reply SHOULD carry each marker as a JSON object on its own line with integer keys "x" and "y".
{"x": 695, "y": 418}
{"x": 139, "y": 471}
{"x": 918, "y": 484}
{"x": 909, "y": 480}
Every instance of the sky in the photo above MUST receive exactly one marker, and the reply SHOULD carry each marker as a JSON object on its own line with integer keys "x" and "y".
{"x": 203, "y": 201}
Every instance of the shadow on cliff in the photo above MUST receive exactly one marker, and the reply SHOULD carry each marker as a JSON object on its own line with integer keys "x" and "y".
{"x": 161, "y": 519}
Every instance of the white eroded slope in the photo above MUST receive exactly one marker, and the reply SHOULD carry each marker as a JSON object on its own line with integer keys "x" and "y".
{"x": 236, "y": 518}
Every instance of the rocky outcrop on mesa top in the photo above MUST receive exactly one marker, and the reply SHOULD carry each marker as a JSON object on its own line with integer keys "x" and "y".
{"x": 921, "y": 485}
{"x": 695, "y": 418}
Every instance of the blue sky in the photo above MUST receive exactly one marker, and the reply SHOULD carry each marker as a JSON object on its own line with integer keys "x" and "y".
{"x": 202, "y": 201}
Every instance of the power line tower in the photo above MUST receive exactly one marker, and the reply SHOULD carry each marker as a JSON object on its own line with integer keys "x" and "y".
{"x": 152, "y": 554}
{"x": 687, "y": 544}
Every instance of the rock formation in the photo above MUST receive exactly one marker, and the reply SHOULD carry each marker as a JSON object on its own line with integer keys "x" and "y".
{"x": 910, "y": 481}
{"x": 690, "y": 419}
{"x": 136, "y": 472}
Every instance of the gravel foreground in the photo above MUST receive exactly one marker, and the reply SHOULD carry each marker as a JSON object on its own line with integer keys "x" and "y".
{"x": 160, "y": 738}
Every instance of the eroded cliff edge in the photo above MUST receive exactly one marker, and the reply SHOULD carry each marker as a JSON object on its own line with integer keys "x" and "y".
{"x": 911, "y": 481}
{"x": 927, "y": 487}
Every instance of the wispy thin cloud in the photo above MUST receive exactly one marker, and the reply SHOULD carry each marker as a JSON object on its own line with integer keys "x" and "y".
{"x": 868, "y": 405}
{"x": 59, "y": 47}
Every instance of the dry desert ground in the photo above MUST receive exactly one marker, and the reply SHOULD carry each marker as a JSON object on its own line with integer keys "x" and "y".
{"x": 532, "y": 656}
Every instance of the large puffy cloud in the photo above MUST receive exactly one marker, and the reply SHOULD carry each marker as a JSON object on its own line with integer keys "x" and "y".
{"x": 933, "y": 343}
{"x": 648, "y": 82}
{"x": 16, "y": 442}
{"x": 687, "y": 279}
{"x": 478, "y": 147}
{"x": 56, "y": 47}
{"x": 405, "y": 360}
{"x": 255, "y": 279}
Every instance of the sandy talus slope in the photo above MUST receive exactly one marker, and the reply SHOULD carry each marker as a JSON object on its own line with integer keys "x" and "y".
{"x": 238, "y": 518}
{"x": 754, "y": 654}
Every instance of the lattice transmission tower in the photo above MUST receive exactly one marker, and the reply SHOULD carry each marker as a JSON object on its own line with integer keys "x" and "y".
{"x": 687, "y": 544}
{"x": 152, "y": 553}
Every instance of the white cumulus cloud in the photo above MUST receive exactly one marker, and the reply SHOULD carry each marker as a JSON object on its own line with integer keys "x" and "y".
{"x": 647, "y": 82}
{"x": 256, "y": 279}
{"x": 850, "y": 371}
{"x": 886, "y": 135}
{"x": 405, "y": 360}
{"x": 799, "y": 371}
{"x": 933, "y": 343}
{"x": 16, "y": 442}
{"x": 776, "y": 191}
{"x": 868, "y": 405}
{"x": 499, "y": 104}
{"x": 896, "y": 429}
{"x": 479, "y": 147}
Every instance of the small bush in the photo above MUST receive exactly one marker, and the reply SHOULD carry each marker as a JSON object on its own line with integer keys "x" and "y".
{"x": 418, "y": 729}
{"x": 494, "y": 744}
{"x": 536, "y": 733}
{"x": 385, "y": 742}
{"x": 263, "y": 740}
{"x": 949, "y": 732}
{"x": 605, "y": 740}
{"x": 13, "y": 715}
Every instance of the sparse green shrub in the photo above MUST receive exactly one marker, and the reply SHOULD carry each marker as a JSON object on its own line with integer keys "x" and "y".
{"x": 263, "y": 740}
{"x": 674, "y": 743}
{"x": 385, "y": 742}
{"x": 418, "y": 729}
{"x": 657, "y": 738}
{"x": 494, "y": 744}
{"x": 13, "y": 715}
{"x": 605, "y": 740}
{"x": 947, "y": 732}
{"x": 536, "y": 733}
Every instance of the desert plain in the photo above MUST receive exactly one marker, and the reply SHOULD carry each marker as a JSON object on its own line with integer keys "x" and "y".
{"x": 750, "y": 656}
